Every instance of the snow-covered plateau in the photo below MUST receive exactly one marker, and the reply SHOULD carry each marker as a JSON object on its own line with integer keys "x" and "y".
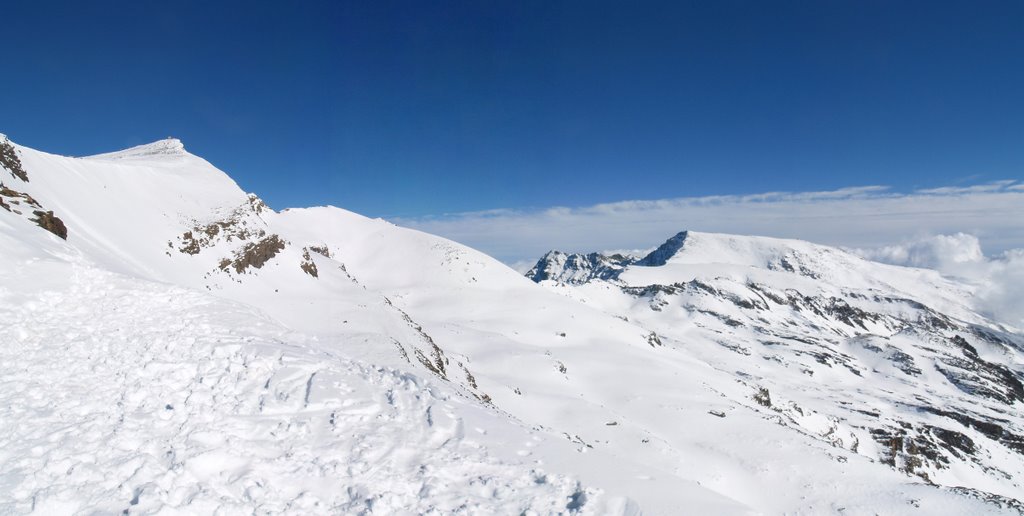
{"x": 171, "y": 345}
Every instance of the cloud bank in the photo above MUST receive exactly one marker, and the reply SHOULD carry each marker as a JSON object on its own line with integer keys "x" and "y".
{"x": 860, "y": 217}
{"x": 999, "y": 279}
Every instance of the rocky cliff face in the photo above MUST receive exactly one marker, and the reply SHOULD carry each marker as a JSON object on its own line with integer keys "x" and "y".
{"x": 578, "y": 268}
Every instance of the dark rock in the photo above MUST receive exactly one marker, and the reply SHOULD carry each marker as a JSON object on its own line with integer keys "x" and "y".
{"x": 762, "y": 397}
{"x": 654, "y": 340}
{"x": 9, "y": 160}
{"x": 661, "y": 255}
{"x": 47, "y": 221}
{"x": 976, "y": 376}
{"x": 322, "y": 250}
{"x": 992, "y": 428}
{"x": 1003, "y": 502}
{"x": 255, "y": 255}
{"x": 307, "y": 265}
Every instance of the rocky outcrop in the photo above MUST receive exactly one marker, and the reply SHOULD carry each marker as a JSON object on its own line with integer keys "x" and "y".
{"x": 15, "y": 201}
{"x": 254, "y": 255}
{"x": 243, "y": 223}
{"x": 47, "y": 221}
{"x": 205, "y": 236}
{"x": 9, "y": 160}
{"x": 322, "y": 250}
{"x": 974, "y": 375}
{"x": 9, "y": 199}
{"x": 308, "y": 265}
{"x": 577, "y": 269}
{"x": 665, "y": 251}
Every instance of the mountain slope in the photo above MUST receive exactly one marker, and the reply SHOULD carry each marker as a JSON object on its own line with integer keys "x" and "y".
{"x": 490, "y": 372}
{"x": 886, "y": 362}
{"x": 126, "y": 395}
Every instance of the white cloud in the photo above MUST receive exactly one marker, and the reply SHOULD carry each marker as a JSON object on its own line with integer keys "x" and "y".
{"x": 1003, "y": 295}
{"x": 862, "y": 217}
{"x": 999, "y": 280}
{"x": 956, "y": 254}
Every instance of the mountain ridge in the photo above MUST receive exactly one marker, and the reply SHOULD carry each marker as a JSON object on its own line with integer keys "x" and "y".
{"x": 166, "y": 147}
{"x": 811, "y": 309}
{"x": 650, "y": 395}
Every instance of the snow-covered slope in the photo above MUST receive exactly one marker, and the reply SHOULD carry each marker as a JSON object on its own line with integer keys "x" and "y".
{"x": 315, "y": 360}
{"x": 886, "y": 362}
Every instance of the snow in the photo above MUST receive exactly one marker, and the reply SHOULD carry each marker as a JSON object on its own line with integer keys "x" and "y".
{"x": 411, "y": 374}
{"x": 732, "y": 303}
{"x": 159, "y": 149}
{"x": 120, "y": 395}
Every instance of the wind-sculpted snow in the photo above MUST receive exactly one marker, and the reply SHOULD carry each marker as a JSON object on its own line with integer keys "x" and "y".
{"x": 123, "y": 396}
{"x": 168, "y": 147}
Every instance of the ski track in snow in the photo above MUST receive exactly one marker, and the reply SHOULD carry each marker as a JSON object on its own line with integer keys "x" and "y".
{"x": 119, "y": 395}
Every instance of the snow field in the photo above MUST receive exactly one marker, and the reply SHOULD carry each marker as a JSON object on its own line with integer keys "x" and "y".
{"x": 122, "y": 395}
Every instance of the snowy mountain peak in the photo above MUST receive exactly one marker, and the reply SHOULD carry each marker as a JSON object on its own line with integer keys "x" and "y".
{"x": 238, "y": 359}
{"x": 791, "y": 313}
{"x": 578, "y": 268}
{"x": 665, "y": 251}
{"x": 167, "y": 147}
{"x": 793, "y": 256}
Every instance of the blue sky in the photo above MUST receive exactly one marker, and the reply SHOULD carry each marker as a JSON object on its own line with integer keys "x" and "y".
{"x": 413, "y": 109}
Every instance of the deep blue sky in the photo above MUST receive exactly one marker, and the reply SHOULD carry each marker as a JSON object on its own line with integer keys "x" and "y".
{"x": 418, "y": 108}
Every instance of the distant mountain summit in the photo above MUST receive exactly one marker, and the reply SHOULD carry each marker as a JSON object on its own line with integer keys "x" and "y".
{"x": 578, "y": 268}
{"x": 859, "y": 354}
{"x": 167, "y": 147}
{"x": 665, "y": 251}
